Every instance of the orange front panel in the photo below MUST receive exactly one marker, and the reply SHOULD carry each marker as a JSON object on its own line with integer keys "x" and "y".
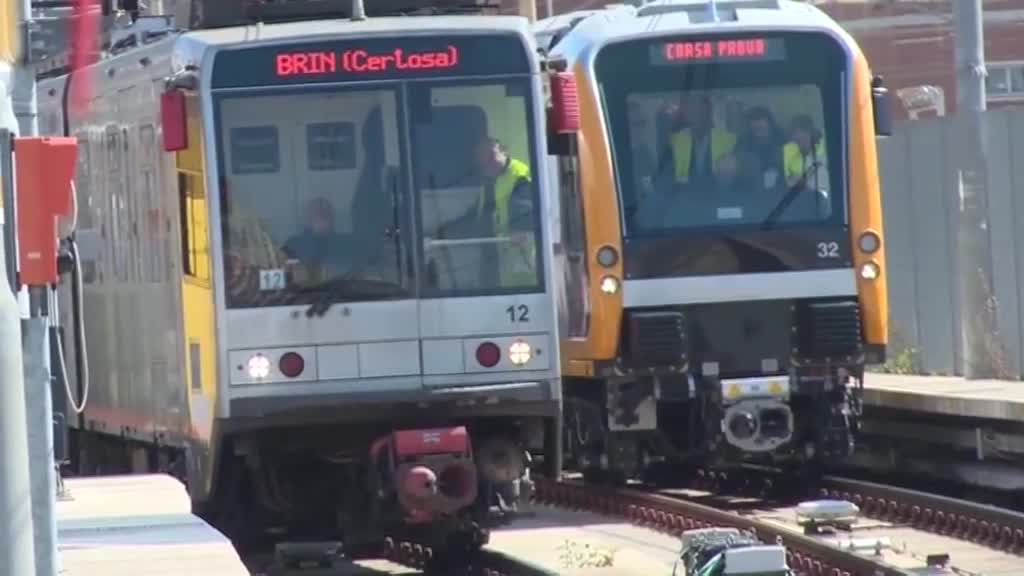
{"x": 866, "y": 202}
{"x": 601, "y": 218}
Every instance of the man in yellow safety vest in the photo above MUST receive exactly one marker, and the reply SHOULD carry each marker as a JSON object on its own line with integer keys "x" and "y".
{"x": 506, "y": 207}
{"x": 696, "y": 149}
{"x": 804, "y": 156}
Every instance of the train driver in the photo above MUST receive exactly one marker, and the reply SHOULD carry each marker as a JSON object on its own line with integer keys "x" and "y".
{"x": 505, "y": 207}
{"x": 696, "y": 149}
{"x": 319, "y": 247}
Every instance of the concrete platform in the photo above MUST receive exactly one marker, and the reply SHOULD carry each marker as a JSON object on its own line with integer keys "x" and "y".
{"x": 138, "y": 526}
{"x": 576, "y": 543}
{"x": 950, "y": 396}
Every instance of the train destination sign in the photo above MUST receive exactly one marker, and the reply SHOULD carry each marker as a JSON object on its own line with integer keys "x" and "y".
{"x": 718, "y": 50}
{"x": 371, "y": 59}
{"x": 358, "y": 61}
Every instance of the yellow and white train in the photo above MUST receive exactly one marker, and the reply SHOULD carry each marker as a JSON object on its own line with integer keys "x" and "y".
{"x": 727, "y": 265}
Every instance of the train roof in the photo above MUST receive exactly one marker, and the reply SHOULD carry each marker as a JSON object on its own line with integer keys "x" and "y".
{"x": 548, "y": 28}
{"x": 311, "y": 29}
{"x": 660, "y": 17}
{"x": 190, "y": 46}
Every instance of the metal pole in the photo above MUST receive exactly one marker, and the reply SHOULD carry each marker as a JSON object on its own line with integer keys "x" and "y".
{"x": 549, "y": 5}
{"x": 39, "y": 414}
{"x": 39, "y": 407}
{"x": 16, "y": 547}
{"x": 980, "y": 341}
{"x": 10, "y": 225}
{"x": 528, "y": 8}
{"x": 25, "y": 104}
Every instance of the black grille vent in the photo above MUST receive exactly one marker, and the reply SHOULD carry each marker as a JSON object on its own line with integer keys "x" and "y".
{"x": 828, "y": 329}
{"x": 654, "y": 339}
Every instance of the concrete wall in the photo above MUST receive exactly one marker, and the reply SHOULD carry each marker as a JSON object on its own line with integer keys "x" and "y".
{"x": 920, "y": 189}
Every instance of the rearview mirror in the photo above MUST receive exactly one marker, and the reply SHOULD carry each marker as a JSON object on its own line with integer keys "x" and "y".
{"x": 880, "y": 107}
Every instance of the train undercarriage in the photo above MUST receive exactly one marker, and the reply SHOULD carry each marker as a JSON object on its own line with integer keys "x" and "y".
{"x": 428, "y": 481}
{"x": 619, "y": 430}
{"x": 747, "y": 394}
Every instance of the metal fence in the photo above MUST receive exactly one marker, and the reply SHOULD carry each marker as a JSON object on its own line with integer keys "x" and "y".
{"x": 920, "y": 197}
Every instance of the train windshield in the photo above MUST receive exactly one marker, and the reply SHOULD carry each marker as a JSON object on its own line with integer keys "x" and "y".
{"x": 311, "y": 182}
{"x": 379, "y": 191}
{"x": 716, "y": 134}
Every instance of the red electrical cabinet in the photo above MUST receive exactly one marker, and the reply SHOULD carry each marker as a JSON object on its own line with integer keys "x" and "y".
{"x": 44, "y": 169}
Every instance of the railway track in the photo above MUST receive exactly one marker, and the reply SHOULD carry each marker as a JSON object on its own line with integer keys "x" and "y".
{"x": 895, "y": 509}
{"x": 483, "y": 563}
{"x": 416, "y": 557}
{"x": 1000, "y": 531}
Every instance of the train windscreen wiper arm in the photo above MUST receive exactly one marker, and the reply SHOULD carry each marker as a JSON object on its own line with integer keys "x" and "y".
{"x": 788, "y": 199}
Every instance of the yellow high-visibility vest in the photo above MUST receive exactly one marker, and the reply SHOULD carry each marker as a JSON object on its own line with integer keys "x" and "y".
{"x": 517, "y": 263}
{"x": 793, "y": 159}
{"x": 722, "y": 142}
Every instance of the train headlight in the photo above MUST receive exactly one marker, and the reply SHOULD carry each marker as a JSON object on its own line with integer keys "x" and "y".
{"x": 607, "y": 256}
{"x": 519, "y": 353}
{"x": 870, "y": 271}
{"x": 610, "y": 285}
{"x": 869, "y": 242}
{"x": 259, "y": 366}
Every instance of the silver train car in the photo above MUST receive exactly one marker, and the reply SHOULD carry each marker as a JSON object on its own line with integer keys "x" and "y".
{"x": 315, "y": 271}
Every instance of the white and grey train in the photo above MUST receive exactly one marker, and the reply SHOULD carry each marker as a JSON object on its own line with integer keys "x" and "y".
{"x": 316, "y": 270}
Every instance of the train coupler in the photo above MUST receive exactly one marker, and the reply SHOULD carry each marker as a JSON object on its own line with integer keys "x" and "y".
{"x": 430, "y": 471}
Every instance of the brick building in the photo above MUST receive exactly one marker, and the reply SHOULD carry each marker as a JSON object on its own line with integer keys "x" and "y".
{"x": 911, "y": 44}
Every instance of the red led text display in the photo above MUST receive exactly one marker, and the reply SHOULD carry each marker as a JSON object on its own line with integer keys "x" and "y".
{"x": 718, "y": 50}
{"x": 379, "y": 58}
{"x": 361, "y": 61}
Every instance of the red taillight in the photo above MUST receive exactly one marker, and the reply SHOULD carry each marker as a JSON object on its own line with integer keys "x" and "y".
{"x": 565, "y": 105}
{"x": 291, "y": 364}
{"x": 488, "y": 354}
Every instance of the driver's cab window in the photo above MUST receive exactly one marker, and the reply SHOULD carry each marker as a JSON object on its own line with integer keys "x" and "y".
{"x": 476, "y": 188}
{"x": 313, "y": 195}
{"x": 720, "y": 157}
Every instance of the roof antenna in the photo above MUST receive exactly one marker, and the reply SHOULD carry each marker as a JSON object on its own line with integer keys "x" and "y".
{"x": 713, "y": 11}
{"x": 358, "y": 11}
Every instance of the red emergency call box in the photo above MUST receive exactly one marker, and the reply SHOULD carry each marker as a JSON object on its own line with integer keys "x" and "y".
{"x": 44, "y": 169}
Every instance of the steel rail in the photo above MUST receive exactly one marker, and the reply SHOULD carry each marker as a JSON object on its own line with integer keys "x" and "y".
{"x": 982, "y": 524}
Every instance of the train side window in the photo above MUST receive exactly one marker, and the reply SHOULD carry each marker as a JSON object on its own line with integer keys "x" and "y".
{"x": 150, "y": 203}
{"x": 86, "y": 194}
{"x": 115, "y": 204}
{"x": 195, "y": 255}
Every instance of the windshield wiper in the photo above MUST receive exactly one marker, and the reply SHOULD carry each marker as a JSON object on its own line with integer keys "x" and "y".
{"x": 348, "y": 288}
{"x": 788, "y": 199}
